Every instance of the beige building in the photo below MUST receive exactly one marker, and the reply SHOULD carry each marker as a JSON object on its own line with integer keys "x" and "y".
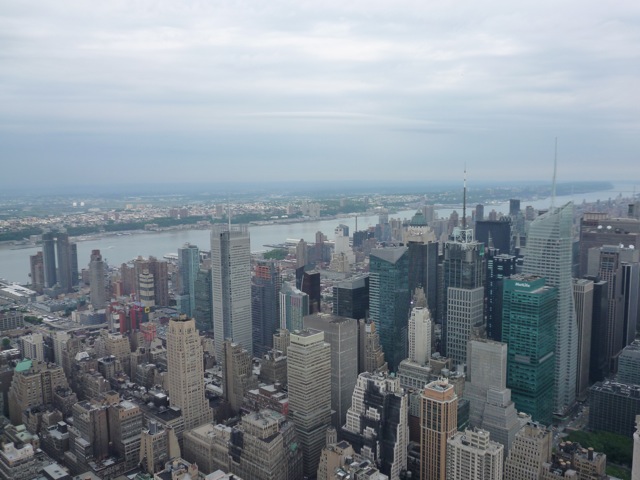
{"x": 438, "y": 423}
{"x": 471, "y": 455}
{"x": 208, "y": 447}
{"x": 333, "y": 456}
{"x": 530, "y": 450}
{"x": 237, "y": 374}
{"x": 186, "y": 372}
{"x": 309, "y": 379}
{"x": 158, "y": 445}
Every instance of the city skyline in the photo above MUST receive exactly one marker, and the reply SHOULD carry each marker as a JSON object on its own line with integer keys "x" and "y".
{"x": 251, "y": 92}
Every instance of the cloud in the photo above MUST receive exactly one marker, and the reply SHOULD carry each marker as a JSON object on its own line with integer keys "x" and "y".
{"x": 352, "y": 86}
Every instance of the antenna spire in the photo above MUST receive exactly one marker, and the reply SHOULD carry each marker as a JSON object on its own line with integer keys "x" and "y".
{"x": 464, "y": 199}
{"x": 229, "y": 211}
{"x": 553, "y": 183}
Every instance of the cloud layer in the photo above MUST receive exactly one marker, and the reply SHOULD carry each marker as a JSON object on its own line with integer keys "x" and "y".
{"x": 120, "y": 91}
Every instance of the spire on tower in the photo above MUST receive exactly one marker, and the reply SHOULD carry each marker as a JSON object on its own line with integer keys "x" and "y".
{"x": 553, "y": 183}
{"x": 464, "y": 200}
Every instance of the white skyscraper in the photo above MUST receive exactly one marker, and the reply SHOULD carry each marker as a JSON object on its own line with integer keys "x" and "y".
{"x": 420, "y": 335}
{"x": 549, "y": 254}
{"x": 231, "y": 285}
{"x": 471, "y": 455}
{"x": 186, "y": 372}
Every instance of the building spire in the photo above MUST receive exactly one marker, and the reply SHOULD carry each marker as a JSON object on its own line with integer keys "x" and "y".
{"x": 464, "y": 200}
{"x": 553, "y": 183}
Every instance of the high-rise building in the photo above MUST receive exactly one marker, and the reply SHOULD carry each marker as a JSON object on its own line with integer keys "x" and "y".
{"x": 147, "y": 289}
{"x": 342, "y": 334}
{"x": 613, "y": 407}
{"x": 389, "y": 300}
{"x": 294, "y": 306}
{"x": 423, "y": 260}
{"x": 599, "y": 363}
{"x": 237, "y": 376}
{"x": 66, "y": 261}
{"x": 549, "y": 254}
{"x": 377, "y": 422}
{"x": 530, "y": 451}
{"x": 97, "y": 280}
{"x": 188, "y": 267}
{"x": 309, "y": 379}
{"x": 231, "y": 280}
{"x": 309, "y": 283}
{"x": 420, "y": 327}
{"x": 186, "y": 372}
{"x": 351, "y": 297}
{"x": 499, "y": 267}
{"x": 528, "y": 328}
{"x": 302, "y": 253}
{"x": 49, "y": 257}
{"x": 36, "y": 263}
{"x": 583, "y": 298}
{"x": 158, "y": 444}
{"x": 370, "y": 354}
{"x": 438, "y": 423}
{"x": 32, "y": 346}
{"x": 629, "y": 364}
{"x": 265, "y": 307}
{"x": 495, "y": 234}
{"x": 472, "y": 455}
{"x": 125, "y": 424}
{"x": 463, "y": 275}
{"x": 203, "y": 311}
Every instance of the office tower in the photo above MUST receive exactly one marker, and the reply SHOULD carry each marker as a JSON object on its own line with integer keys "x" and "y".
{"x": 629, "y": 364}
{"x": 65, "y": 262}
{"x": 188, "y": 267}
{"x": 599, "y": 363}
{"x": 33, "y": 385}
{"x": 530, "y": 451}
{"x": 125, "y": 424}
{"x": 423, "y": 260}
{"x": 302, "y": 255}
{"x": 75, "y": 272}
{"x": 49, "y": 258}
{"x": 471, "y": 455}
{"x": 208, "y": 447}
{"x": 495, "y": 234}
{"x": 237, "y": 374}
{"x": 309, "y": 283}
{"x": 186, "y": 372}
{"x": 438, "y": 423}
{"x": 32, "y": 346}
{"x": 514, "y": 207}
{"x": 420, "y": 327}
{"x": 36, "y": 263}
{"x": 499, "y": 267}
{"x": 597, "y": 230}
{"x": 203, "y": 311}
{"x": 281, "y": 340}
{"x": 613, "y": 407}
{"x": 635, "y": 469}
{"x": 147, "y": 289}
{"x": 479, "y": 212}
{"x": 158, "y": 444}
{"x": 583, "y": 298}
{"x": 490, "y": 405}
{"x": 342, "y": 334}
{"x": 264, "y": 447}
{"x": 620, "y": 268}
{"x": 309, "y": 379}
{"x": 389, "y": 300}
{"x": 530, "y": 306}
{"x": 549, "y": 255}
{"x": 351, "y": 297}
{"x": 231, "y": 280}
{"x": 265, "y": 307}
{"x": 377, "y": 422}
{"x": 294, "y": 305}
{"x": 370, "y": 354}
{"x": 160, "y": 272}
{"x": 98, "y": 295}
{"x": 463, "y": 287}
{"x": 92, "y": 425}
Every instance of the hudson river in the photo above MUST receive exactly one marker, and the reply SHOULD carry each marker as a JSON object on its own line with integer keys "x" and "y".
{"x": 14, "y": 264}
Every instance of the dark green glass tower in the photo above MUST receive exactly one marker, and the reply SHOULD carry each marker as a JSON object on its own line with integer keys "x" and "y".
{"x": 528, "y": 328}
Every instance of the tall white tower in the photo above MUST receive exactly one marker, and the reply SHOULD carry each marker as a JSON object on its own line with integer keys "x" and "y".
{"x": 231, "y": 285}
{"x": 420, "y": 335}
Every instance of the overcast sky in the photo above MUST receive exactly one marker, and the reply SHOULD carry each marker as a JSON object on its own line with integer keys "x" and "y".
{"x": 156, "y": 91}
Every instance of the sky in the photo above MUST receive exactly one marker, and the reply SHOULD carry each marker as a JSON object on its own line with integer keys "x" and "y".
{"x": 140, "y": 91}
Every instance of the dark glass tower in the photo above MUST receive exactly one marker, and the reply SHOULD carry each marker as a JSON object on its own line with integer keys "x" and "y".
{"x": 351, "y": 297}
{"x": 389, "y": 300}
{"x": 203, "y": 311}
{"x": 495, "y": 233}
{"x": 499, "y": 266}
{"x": 528, "y": 328}
{"x": 265, "y": 305}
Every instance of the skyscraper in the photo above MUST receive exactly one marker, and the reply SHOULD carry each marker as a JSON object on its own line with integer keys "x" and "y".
{"x": 549, "y": 254}
{"x": 528, "y": 328}
{"x": 471, "y": 455}
{"x": 423, "y": 260}
{"x": 389, "y": 300}
{"x": 294, "y": 306}
{"x": 309, "y": 379}
{"x": 231, "y": 283}
{"x": 342, "y": 334}
{"x": 351, "y": 297}
{"x": 49, "y": 256}
{"x": 499, "y": 267}
{"x": 583, "y": 298}
{"x": 438, "y": 423}
{"x": 96, "y": 280}
{"x": 36, "y": 263}
{"x": 65, "y": 262}
{"x": 265, "y": 306}
{"x": 186, "y": 372}
{"x": 203, "y": 311}
{"x": 531, "y": 449}
{"x": 188, "y": 267}
{"x": 495, "y": 234}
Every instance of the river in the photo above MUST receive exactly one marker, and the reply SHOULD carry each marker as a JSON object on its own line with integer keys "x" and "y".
{"x": 116, "y": 249}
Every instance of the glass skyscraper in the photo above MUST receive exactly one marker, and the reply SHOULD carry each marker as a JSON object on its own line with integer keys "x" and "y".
{"x": 549, "y": 254}
{"x": 389, "y": 300}
{"x": 188, "y": 267}
{"x": 528, "y": 328}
